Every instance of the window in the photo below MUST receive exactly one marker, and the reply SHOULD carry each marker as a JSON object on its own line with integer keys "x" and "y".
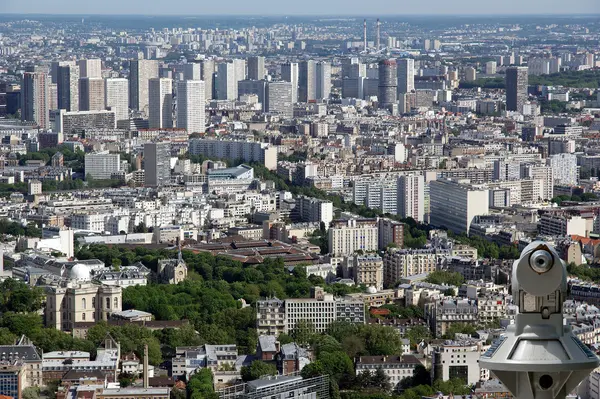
{"x": 107, "y": 303}
{"x": 83, "y": 316}
{"x": 116, "y": 303}
{"x": 83, "y": 303}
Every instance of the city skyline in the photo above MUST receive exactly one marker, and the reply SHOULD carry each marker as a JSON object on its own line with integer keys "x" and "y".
{"x": 307, "y": 8}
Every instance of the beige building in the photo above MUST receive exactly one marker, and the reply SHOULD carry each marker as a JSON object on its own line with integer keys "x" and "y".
{"x": 77, "y": 299}
{"x": 368, "y": 270}
{"x": 349, "y": 236}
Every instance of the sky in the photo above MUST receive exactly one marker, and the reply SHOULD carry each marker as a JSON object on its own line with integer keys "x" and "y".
{"x": 300, "y": 7}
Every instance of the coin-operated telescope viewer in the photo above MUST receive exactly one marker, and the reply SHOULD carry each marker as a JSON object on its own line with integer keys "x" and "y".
{"x": 538, "y": 357}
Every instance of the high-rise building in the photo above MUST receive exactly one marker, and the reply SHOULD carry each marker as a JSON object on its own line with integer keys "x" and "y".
{"x": 160, "y": 109}
{"x": 67, "y": 87}
{"x": 157, "y": 164}
{"x": 307, "y": 81}
{"x": 3, "y": 100}
{"x": 191, "y": 106}
{"x": 208, "y": 72}
{"x": 54, "y": 68}
{"x": 406, "y": 75}
{"x": 258, "y": 87}
{"x": 564, "y": 169}
{"x": 411, "y": 197}
{"x": 34, "y": 98}
{"x": 455, "y": 204}
{"x": 228, "y": 75}
{"x": 470, "y": 74}
{"x": 490, "y": 68}
{"x": 516, "y": 88}
{"x": 91, "y": 94}
{"x": 90, "y": 68}
{"x": 279, "y": 99}
{"x": 388, "y": 83}
{"x": 314, "y": 210}
{"x": 256, "y": 68}
{"x": 192, "y": 71}
{"x": 116, "y": 97}
{"x": 289, "y": 73}
{"x": 140, "y": 72}
{"x": 323, "y": 80}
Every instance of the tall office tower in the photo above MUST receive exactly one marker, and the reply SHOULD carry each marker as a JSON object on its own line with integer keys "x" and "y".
{"x": 490, "y": 68}
{"x": 208, "y": 72}
{"x": 256, "y": 68}
{"x": 406, "y": 75}
{"x": 140, "y": 72}
{"x": 516, "y": 88}
{"x": 34, "y": 98}
{"x": 192, "y": 71}
{"x": 289, "y": 73}
{"x": 228, "y": 75}
{"x": 323, "y": 80}
{"x": 279, "y": 99}
{"x": 54, "y": 68}
{"x": 191, "y": 106}
{"x": 67, "y": 87}
{"x": 411, "y": 197}
{"x": 160, "y": 101}
{"x": 116, "y": 96}
{"x": 91, "y": 94}
{"x": 157, "y": 164}
{"x": 388, "y": 83}
{"x": 90, "y": 68}
{"x": 307, "y": 81}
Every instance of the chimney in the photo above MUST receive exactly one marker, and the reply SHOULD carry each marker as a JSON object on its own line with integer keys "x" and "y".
{"x": 365, "y": 34}
{"x": 146, "y": 380}
{"x": 377, "y": 44}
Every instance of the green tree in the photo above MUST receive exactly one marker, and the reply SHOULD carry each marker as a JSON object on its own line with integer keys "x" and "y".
{"x": 417, "y": 334}
{"x": 31, "y": 393}
{"x": 257, "y": 369}
{"x": 444, "y": 277}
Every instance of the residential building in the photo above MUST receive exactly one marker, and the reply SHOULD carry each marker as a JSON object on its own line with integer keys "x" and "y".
{"x": 564, "y": 169}
{"x": 411, "y": 197}
{"x": 459, "y": 359}
{"x": 90, "y": 68}
{"x": 388, "y": 83}
{"x": 406, "y": 75}
{"x": 102, "y": 165}
{"x": 390, "y": 232}
{"x": 256, "y": 68}
{"x": 188, "y": 360}
{"x": 80, "y": 121}
{"x": 396, "y": 368}
{"x": 516, "y": 88}
{"x": 349, "y": 236}
{"x": 234, "y": 150}
{"x": 289, "y": 73}
{"x": 190, "y": 106}
{"x": 454, "y": 204}
{"x": 314, "y": 210}
{"x": 116, "y": 97}
{"x": 67, "y": 85}
{"x": 307, "y": 81}
{"x": 368, "y": 270}
{"x": 140, "y": 73}
{"x": 160, "y": 103}
{"x": 279, "y": 99}
{"x": 441, "y": 314}
{"x": 157, "y": 164}
{"x": 323, "y": 71}
{"x": 229, "y": 73}
{"x": 91, "y": 94}
{"x": 399, "y": 263}
{"x": 280, "y": 387}
{"x": 35, "y": 99}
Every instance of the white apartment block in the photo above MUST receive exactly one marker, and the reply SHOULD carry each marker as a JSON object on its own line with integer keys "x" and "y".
{"x": 349, "y": 236}
{"x": 190, "y": 106}
{"x": 411, "y": 197}
{"x": 160, "y": 100}
{"x": 91, "y": 68}
{"x": 101, "y": 165}
{"x": 234, "y": 150}
{"x": 560, "y": 225}
{"x": 116, "y": 97}
{"x": 459, "y": 359}
{"x": 455, "y": 204}
{"x": 89, "y": 221}
{"x": 228, "y": 75}
{"x": 564, "y": 169}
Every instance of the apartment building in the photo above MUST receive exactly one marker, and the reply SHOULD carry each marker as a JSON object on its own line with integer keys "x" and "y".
{"x": 349, "y": 236}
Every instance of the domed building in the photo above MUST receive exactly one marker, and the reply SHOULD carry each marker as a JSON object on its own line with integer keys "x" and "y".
{"x": 78, "y": 299}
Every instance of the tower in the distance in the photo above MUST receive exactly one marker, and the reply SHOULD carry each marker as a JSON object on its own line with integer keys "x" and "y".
{"x": 365, "y": 34}
{"x": 388, "y": 83}
{"x": 378, "y": 38}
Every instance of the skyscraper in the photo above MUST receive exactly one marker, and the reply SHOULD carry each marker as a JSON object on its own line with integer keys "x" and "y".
{"x": 157, "y": 164}
{"x": 34, "y": 98}
{"x": 258, "y": 87}
{"x": 388, "y": 83}
{"x": 160, "y": 109}
{"x": 516, "y": 88}
{"x": 54, "y": 68}
{"x": 256, "y": 68}
{"x": 91, "y": 94}
{"x": 141, "y": 71}
{"x": 192, "y": 71}
{"x": 323, "y": 71}
{"x": 289, "y": 73}
{"x": 90, "y": 68}
{"x": 67, "y": 87}
{"x": 228, "y": 75}
{"x": 279, "y": 99}
{"x": 406, "y": 75}
{"x": 411, "y": 197}
{"x": 116, "y": 96}
{"x": 191, "y": 105}
{"x": 208, "y": 71}
{"x": 307, "y": 81}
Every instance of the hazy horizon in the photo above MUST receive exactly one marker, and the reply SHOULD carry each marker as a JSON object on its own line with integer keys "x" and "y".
{"x": 304, "y": 8}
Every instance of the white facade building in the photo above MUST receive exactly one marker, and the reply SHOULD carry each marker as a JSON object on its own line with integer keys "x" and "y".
{"x": 349, "y": 236}
{"x": 411, "y": 197}
{"x": 190, "y": 106}
{"x": 455, "y": 204}
{"x": 160, "y": 94}
{"x": 116, "y": 96}
{"x": 101, "y": 165}
{"x": 564, "y": 169}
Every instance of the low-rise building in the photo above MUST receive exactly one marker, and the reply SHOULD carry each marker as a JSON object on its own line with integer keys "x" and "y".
{"x": 396, "y": 368}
